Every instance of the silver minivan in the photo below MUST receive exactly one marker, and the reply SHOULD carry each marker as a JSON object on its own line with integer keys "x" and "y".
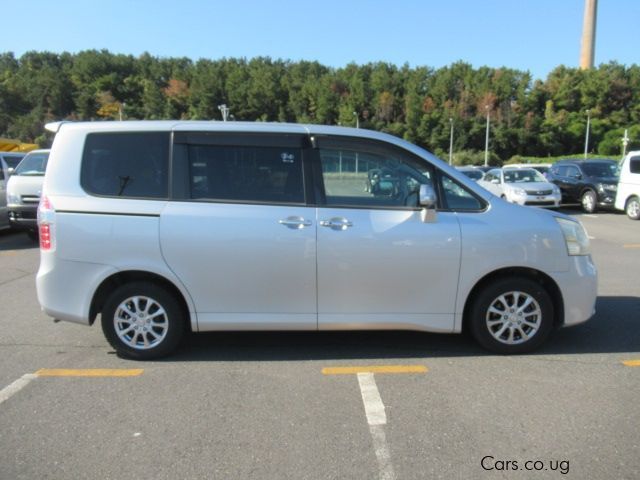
{"x": 161, "y": 227}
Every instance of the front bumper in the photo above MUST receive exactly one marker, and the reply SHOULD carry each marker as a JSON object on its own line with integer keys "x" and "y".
{"x": 537, "y": 200}
{"x": 23, "y": 216}
{"x": 579, "y": 288}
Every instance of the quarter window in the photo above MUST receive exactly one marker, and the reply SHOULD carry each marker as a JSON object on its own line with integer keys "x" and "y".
{"x": 457, "y": 197}
{"x": 246, "y": 174}
{"x": 128, "y": 165}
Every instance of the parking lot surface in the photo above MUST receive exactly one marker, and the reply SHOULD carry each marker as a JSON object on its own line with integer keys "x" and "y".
{"x": 357, "y": 405}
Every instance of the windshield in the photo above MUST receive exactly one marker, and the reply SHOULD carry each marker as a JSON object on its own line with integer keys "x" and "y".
{"x": 601, "y": 170}
{"x": 523, "y": 175}
{"x": 33, "y": 164}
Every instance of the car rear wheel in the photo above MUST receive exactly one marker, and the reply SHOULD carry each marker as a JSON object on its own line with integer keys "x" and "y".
{"x": 142, "y": 321}
{"x": 589, "y": 201}
{"x": 633, "y": 208}
{"x": 512, "y": 315}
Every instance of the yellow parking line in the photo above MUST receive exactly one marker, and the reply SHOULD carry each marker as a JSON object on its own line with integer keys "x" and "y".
{"x": 375, "y": 369}
{"x": 89, "y": 372}
{"x": 631, "y": 363}
{"x": 631, "y": 245}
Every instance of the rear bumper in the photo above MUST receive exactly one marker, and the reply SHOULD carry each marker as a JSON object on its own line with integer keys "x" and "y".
{"x": 65, "y": 292}
{"x": 579, "y": 288}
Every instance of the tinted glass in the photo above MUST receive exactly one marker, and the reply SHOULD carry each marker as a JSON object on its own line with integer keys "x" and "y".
{"x": 457, "y": 197}
{"x": 13, "y": 160}
{"x": 130, "y": 165}
{"x": 561, "y": 171}
{"x": 634, "y": 165}
{"x": 246, "y": 174}
{"x": 32, "y": 164}
{"x": 473, "y": 174}
{"x": 573, "y": 172}
{"x": 372, "y": 178}
{"x": 601, "y": 170}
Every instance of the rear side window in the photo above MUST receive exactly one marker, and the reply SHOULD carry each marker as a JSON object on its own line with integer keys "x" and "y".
{"x": 128, "y": 165}
{"x": 260, "y": 174}
{"x": 634, "y": 165}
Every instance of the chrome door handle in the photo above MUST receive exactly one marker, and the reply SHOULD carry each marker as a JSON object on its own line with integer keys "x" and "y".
{"x": 337, "y": 223}
{"x": 295, "y": 223}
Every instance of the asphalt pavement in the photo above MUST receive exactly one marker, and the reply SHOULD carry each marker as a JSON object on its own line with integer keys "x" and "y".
{"x": 280, "y": 405}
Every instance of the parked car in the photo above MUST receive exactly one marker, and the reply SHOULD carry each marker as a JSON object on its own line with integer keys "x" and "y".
{"x": 473, "y": 173}
{"x": 593, "y": 183}
{"x": 23, "y": 191}
{"x": 543, "y": 168}
{"x": 524, "y": 186}
{"x": 628, "y": 193}
{"x": 164, "y": 226}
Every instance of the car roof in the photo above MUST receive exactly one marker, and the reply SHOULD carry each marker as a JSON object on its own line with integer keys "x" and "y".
{"x": 582, "y": 162}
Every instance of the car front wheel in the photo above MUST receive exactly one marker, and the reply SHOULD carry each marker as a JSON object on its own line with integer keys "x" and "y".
{"x": 142, "y": 321}
{"x": 589, "y": 201}
{"x": 512, "y": 315}
{"x": 633, "y": 208}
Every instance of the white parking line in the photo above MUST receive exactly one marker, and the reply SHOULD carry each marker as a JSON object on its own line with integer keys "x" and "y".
{"x": 377, "y": 418}
{"x": 13, "y": 388}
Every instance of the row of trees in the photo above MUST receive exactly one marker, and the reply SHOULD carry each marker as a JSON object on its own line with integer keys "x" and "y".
{"x": 528, "y": 118}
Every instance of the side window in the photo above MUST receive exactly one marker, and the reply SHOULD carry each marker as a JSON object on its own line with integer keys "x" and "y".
{"x": 246, "y": 174}
{"x": 634, "y": 165}
{"x": 372, "y": 177}
{"x": 572, "y": 172}
{"x": 457, "y": 197}
{"x": 128, "y": 165}
{"x": 562, "y": 170}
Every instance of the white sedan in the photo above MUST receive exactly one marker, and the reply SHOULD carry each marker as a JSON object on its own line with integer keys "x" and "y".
{"x": 525, "y": 186}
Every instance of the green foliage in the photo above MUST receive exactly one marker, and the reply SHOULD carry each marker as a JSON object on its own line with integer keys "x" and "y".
{"x": 527, "y": 119}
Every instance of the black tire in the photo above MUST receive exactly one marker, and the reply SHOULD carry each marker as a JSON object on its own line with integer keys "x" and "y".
{"x": 539, "y": 316}
{"x": 166, "y": 333}
{"x": 632, "y": 208}
{"x": 589, "y": 201}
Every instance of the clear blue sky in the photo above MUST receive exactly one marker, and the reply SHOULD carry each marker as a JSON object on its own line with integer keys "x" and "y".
{"x": 523, "y": 34}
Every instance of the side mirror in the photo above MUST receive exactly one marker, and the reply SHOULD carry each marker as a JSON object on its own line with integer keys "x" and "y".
{"x": 427, "y": 200}
{"x": 10, "y": 171}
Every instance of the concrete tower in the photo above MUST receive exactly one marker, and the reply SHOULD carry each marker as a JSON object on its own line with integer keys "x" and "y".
{"x": 588, "y": 34}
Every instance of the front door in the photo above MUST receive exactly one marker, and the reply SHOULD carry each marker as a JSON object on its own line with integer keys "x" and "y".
{"x": 379, "y": 265}
{"x": 239, "y": 234}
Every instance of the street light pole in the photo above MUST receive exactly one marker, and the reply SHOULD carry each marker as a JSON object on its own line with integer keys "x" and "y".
{"x": 586, "y": 137}
{"x": 625, "y": 142}
{"x": 451, "y": 142}
{"x": 486, "y": 139}
{"x": 355, "y": 114}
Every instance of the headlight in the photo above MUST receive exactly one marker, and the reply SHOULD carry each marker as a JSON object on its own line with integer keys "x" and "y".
{"x": 13, "y": 199}
{"x": 611, "y": 188}
{"x": 518, "y": 192}
{"x": 575, "y": 236}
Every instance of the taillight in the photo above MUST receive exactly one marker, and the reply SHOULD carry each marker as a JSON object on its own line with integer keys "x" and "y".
{"x": 45, "y": 223}
{"x": 45, "y": 237}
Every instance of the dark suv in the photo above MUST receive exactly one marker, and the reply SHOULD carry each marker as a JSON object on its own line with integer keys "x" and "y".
{"x": 593, "y": 183}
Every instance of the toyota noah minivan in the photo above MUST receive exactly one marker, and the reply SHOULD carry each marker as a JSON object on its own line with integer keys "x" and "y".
{"x": 161, "y": 227}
